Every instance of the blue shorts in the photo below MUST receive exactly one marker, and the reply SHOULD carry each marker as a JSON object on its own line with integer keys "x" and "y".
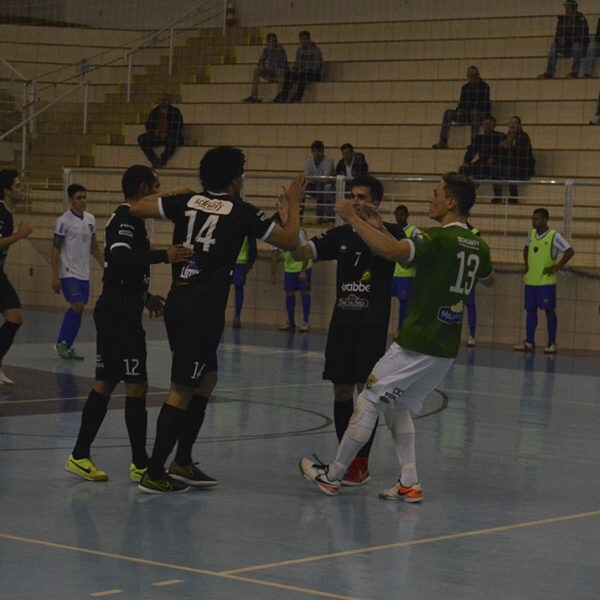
{"x": 238, "y": 277}
{"x": 401, "y": 287}
{"x": 470, "y": 299}
{"x": 540, "y": 296}
{"x": 75, "y": 290}
{"x": 292, "y": 283}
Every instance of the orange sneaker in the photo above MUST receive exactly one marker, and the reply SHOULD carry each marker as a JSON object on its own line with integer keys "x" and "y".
{"x": 357, "y": 473}
{"x": 398, "y": 492}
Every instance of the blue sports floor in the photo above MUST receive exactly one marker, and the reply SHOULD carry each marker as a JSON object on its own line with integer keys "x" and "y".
{"x": 509, "y": 468}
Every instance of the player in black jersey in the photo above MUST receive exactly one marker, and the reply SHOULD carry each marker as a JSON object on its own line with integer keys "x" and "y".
{"x": 10, "y": 305}
{"x": 357, "y": 336}
{"x": 214, "y": 223}
{"x": 120, "y": 336}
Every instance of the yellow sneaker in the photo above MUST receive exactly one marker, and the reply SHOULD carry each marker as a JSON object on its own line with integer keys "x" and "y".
{"x": 136, "y": 474}
{"x": 85, "y": 468}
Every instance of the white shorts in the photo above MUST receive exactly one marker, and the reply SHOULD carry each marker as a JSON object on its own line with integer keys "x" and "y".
{"x": 403, "y": 377}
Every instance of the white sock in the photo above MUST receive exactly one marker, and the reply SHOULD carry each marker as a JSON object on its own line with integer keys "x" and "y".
{"x": 402, "y": 427}
{"x": 347, "y": 450}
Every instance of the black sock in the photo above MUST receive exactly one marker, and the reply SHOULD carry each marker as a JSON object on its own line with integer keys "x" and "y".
{"x": 92, "y": 416}
{"x": 364, "y": 451}
{"x": 7, "y": 335}
{"x": 342, "y": 411}
{"x": 136, "y": 420}
{"x": 194, "y": 417}
{"x": 168, "y": 430}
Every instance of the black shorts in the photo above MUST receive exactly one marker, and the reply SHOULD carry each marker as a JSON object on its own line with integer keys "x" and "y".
{"x": 8, "y": 295}
{"x": 194, "y": 335}
{"x": 351, "y": 353}
{"x": 120, "y": 347}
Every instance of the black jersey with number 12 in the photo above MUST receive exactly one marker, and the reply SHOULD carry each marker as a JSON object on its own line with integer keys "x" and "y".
{"x": 215, "y": 226}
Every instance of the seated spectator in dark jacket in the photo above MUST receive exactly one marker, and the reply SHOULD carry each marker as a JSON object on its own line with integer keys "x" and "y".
{"x": 519, "y": 161}
{"x": 593, "y": 50}
{"x": 351, "y": 164}
{"x": 570, "y": 39}
{"x": 307, "y": 68}
{"x": 319, "y": 165}
{"x": 473, "y": 106}
{"x": 487, "y": 149}
{"x": 272, "y": 66}
{"x": 164, "y": 127}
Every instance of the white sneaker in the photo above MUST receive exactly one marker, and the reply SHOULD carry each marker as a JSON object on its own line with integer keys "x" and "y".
{"x": 470, "y": 341}
{"x": 303, "y": 326}
{"x": 550, "y": 349}
{"x": 4, "y": 380}
{"x": 399, "y": 493}
{"x": 316, "y": 471}
{"x": 524, "y": 347}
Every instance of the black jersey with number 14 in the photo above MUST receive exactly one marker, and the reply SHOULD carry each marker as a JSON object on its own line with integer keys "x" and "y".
{"x": 215, "y": 226}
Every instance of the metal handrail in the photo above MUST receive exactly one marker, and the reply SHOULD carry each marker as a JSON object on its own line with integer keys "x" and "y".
{"x": 14, "y": 70}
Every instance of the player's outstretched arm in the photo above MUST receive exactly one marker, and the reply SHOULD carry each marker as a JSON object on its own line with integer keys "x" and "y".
{"x": 381, "y": 243}
{"x": 286, "y": 237}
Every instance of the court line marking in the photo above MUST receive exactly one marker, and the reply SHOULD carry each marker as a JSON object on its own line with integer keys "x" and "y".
{"x": 168, "y": 582}
{"x": 165, "y": 565}
{"x": 430, "y": 540}
{"x": 166, "y": 391}
{"x": 106, "y": 593}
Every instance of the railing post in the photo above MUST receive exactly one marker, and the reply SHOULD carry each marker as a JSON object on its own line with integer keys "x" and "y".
{"x": 568, "y": 209}
{"x": 24, "y": 130}
{"x": 171, "y": 51}
{"x": 31, "y": 101}
{"x": 224, "y": 18}
{"x": 340, "y": 191}
{"x": 85, "y": 108}
{"x": 129, "y": 78}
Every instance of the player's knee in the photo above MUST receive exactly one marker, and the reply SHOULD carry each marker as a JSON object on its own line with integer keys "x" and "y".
{"x": 78, "y": 307}
{"x": 137, "y": 390}
{"x": 14, "y": 316}
{"x": 363, "y": 420}
{"x": 399, "y": 421}
{"x": 343, "y": 393}
{"x": 207, "y": 385}
{"x": 104, "y": 388}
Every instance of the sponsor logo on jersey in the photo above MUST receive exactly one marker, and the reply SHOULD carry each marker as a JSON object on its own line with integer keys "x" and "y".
{"x": 366, "y": 277}
{"x": 393, "y": 395}
{"x": 451, "y": 315}
{"x": 99, "y": 363}
{"x": 125, "y": 232}
{"x": 371, "y": 381}
{"x": 352, "y": 302}
{"x": 356, "y": 286}
{"x": 467, "y": 242}
{"x": 189, "y": 270}
{"x": 210, "y": 205}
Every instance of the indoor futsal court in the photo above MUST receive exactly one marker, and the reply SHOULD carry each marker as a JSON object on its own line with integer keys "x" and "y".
{"x": 507, "y": 452}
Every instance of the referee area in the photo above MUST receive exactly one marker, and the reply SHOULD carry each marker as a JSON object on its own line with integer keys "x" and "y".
{"x": 508, "y": 453}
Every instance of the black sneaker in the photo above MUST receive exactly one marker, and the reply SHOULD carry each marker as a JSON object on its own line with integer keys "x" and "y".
{"x": 191, "y": 475}
{"x": 164, "y": 485}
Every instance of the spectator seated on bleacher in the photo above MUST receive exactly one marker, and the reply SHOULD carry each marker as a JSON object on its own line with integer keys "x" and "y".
{"x": 319, "y": 165}
{"x": 490, "y": 156}
{"x": 307, "y": 68}
{"x": 272, "y": 66}
{"x": 570, "y": 40}
{"x": 473, "y": 106}
{"x": 164, "y": 127}
{"x": 593, "y": 50}
{"x": 519, "y": 162}
{"x": 351, "y": 164}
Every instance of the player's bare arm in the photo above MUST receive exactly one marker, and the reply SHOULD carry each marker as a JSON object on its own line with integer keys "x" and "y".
{"x": 379, "y": 242}
{"x": 96, "y": 252}
{"x": 177, "y": 254}
{"x": 565, "y": 258}
{"x": 286, "y": 237}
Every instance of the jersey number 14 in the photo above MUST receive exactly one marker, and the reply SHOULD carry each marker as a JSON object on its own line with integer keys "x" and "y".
{"x": 205, "y": 235}
{"x": 465, "y": 282}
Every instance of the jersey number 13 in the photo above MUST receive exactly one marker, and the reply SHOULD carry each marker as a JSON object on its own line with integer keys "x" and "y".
{"x": 465, "y": 281}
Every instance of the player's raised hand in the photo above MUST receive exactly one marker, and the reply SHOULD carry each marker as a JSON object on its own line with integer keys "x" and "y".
{"x": 155, "y": 305}
{"x": 370, "y": 214}
{"x": 176, "y": 254}
{"x": 295, "y": 192}
{"x": 346, "y": 208}
{"x": 56, "y": 285}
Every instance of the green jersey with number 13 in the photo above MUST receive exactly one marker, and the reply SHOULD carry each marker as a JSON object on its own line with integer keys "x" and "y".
{"x": 449, "y": 261}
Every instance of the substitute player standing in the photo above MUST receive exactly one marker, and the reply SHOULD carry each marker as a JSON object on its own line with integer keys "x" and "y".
{"x": 10, "y": 305}
{"x": 74, "y": 241}
{"x": 120, "y": 336}
{"x": 213, "y": 223}
{"x": 357, "y": 335}
{"x": 449, "y": 259}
